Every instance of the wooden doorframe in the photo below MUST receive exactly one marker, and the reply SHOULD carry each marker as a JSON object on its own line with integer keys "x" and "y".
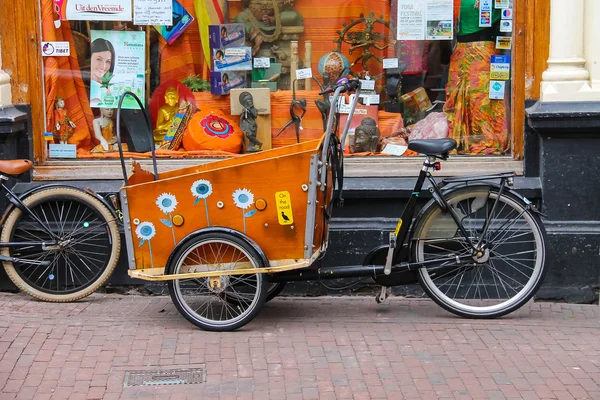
{"x": 22, "y": 60}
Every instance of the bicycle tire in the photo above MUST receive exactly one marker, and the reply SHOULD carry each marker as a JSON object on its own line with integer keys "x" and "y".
{"x": 214, "y": 251}
{"x": 71, "y": 256}
{"x": 493, "y": 270}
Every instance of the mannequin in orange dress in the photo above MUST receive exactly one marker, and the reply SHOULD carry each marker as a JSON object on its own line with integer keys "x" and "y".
{"x": 64, "y": 127}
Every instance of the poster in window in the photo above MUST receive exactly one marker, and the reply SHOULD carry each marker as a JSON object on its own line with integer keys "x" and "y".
{"x": 411, "y": 20}
{"x": 89, "y": 10}
{"x": 440, "y": 20}
{"x": 117, "y": 66}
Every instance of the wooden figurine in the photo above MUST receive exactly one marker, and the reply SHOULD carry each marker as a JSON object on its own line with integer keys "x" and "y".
{"x": 248, "y": 122}
{"x": 64, "y": 127}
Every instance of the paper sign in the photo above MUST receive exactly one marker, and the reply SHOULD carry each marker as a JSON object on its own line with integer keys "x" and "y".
{"x": 440, "y": 20}
{"x": 507, "y": 13}
{"x": 390, "y": 63}
{"x": 500, "y": 68}
{"x": 235, "y": 52}
{"x": 62, "y": 150}
{"x": 506, "y": 25}
{"x": 367, "y": 84}
{"x": 497, "y": 90}
{"x": 504, "y": 42}
{"x": 394, "y": 149}
{"x": 345, "y": 109}
{"x": 92, "y": 10}
{"x": 370, "y": 99}
{"x": 411, "y": 20}
{"x": 153, "y": 12}
{"x": 262, "y": 62}
{"x": 485, "y": 13}
{"x": 284, "y": 207}
{"x": 56, "y": 49}
{"x": 502, "y": 4}
{"x": 304, "y": 73}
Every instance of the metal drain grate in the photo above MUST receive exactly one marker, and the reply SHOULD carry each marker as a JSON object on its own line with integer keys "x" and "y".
{"x": 161, "y": 377}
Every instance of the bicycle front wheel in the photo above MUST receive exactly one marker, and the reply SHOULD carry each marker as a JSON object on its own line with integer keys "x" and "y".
{"x": 504, "y": 275}
{"x": 82, "y": 244}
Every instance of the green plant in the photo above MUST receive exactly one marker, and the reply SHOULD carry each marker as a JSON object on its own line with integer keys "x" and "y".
{"x": 105, "y": 80}
{"x": 196, "y": 84}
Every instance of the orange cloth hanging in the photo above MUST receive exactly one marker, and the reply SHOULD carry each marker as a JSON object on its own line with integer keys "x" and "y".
{"x": 62, "y": 78}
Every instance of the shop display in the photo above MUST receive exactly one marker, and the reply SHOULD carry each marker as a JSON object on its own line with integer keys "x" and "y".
{"x": 166, "y": 115}
{"x": 477, "y": 123}
{"x": 174, "y": 136}
{"x": 212, "y": 130}
{"x": 366, "y": 137}
{"x": 223, "y": 82}
{"x": 232, "y": 59}
{"x": 297, "y": 112}
{"x": 226, "y": 35}
{"x": 270, "y": 26}
{"x": 248, "y": 122}
{"x": 181, "y": 20}
{"x": 64, "y": 127}
{"x": 267, "y": 77}
{"x": 104, "y": 131}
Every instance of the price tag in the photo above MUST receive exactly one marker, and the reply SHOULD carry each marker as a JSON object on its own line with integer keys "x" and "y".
{"x": 367, "y": 84}
{"x": 370, "y": 99}
{"x": 235, "y": 52}
{"x": 390, "y": 63}
{"x": 262, "y": 62}
{"x": 394, "y": 149}
{"x": 304, "y": 73}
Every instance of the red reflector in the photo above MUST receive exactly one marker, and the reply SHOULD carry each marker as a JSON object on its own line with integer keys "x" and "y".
{"x": 438, "y": 166}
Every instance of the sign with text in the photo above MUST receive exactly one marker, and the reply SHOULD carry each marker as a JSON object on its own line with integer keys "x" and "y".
{"x": 390, "y": 63}
{"x": 90, "y": 10}
{"x": 262, "y": 62}
{"x": 284, "y": 208}
{"x": 497, "y": 90}
{"x": 153, "y": 12}
{"x": 500, "y": 68}
{"x": 62, "y": 150}
{"x": 56, "y": 49}
{"x": 304, "y": 73}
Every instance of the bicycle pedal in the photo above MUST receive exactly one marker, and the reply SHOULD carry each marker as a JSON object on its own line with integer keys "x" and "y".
{"x": 383, "y": 295}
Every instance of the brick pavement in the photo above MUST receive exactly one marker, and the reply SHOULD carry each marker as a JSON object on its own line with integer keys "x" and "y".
{"x": 320, "y": 348}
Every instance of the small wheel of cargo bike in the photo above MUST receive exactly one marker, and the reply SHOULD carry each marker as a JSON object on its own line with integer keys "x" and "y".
{"x": 217, "y": 302}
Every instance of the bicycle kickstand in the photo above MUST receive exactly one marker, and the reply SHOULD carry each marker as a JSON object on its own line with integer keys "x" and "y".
{"x": 383, "y": 295}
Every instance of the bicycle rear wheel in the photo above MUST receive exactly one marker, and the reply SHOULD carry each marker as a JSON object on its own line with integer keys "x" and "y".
{"x": 88, "y": 252}
{"x": 504, "y": 276}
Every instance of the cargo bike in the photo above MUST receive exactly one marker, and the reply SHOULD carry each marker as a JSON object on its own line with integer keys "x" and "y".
{"x": 227, "y": 235}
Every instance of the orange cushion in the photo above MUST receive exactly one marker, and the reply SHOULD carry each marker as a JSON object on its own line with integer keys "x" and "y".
{"x": 212, "y": 130}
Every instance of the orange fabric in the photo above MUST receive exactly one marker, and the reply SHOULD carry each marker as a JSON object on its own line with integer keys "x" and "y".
{"x": 163, "y": 154}
{"x": 62, "y": 78}
{"x": 323, "y": 19}
{"x": 212, "y": 130}
{"x": 184, "y": 57}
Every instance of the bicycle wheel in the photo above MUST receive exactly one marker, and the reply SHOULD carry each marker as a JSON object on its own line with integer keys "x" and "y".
{"x": 80, "y": 262}
{"x": 501, "y": 278}
{"x": 220, "y": 303}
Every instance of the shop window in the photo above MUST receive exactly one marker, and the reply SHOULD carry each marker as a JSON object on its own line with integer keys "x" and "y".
{"x": 431, "y": 69}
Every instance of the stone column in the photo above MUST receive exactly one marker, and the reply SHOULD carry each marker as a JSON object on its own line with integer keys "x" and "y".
{"x": 566, "y": 78}
{"x": 592, "y": 44}
{"x": 5, "y": 94}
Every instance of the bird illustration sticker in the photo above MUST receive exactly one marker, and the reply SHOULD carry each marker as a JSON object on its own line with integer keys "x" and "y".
{"x": 284, "y": 208}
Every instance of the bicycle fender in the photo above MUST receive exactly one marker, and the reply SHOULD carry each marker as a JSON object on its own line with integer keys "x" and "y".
{"x": 36, "y": 189}
{"x": 458, "y": 186}
{"x": 219, "y": 229}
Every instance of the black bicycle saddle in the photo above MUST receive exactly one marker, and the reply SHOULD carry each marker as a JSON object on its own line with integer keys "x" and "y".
{"x": 432, "y": 147}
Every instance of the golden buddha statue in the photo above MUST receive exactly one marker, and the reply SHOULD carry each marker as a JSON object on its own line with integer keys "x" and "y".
{"x": 166, "y": 114}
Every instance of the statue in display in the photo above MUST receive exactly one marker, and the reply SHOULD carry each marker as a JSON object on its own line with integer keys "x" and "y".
{"x": 270, "y": 27}
{"x": 166, "y": 114}
{"x": 248, "y": 122}
{"x": 366, "y": 137}
{"x": 63, "y": 126}
{"x": 104, "y": 131}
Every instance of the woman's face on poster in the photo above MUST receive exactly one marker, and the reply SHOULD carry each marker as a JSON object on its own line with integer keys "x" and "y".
{"x": 101, "y": 63}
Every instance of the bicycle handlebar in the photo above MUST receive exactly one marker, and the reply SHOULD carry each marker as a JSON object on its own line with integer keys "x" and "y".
{"x": 347, "y": 85}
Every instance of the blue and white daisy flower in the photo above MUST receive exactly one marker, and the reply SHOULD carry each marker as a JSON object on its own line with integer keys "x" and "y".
{"x": 201, "y": 189}
{"x": 145, "y": 230}
{"x": 166, "y": 202}
{"x": 243, "y": 198}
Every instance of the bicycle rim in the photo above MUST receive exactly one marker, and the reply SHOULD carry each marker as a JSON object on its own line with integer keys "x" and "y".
{"x": 218, "y": 302}
{"x": 80, "y": 263}
{"x": 501, "y": 280}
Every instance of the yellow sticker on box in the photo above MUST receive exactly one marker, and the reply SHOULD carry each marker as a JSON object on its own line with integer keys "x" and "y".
{"x": 284, "y": 208}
